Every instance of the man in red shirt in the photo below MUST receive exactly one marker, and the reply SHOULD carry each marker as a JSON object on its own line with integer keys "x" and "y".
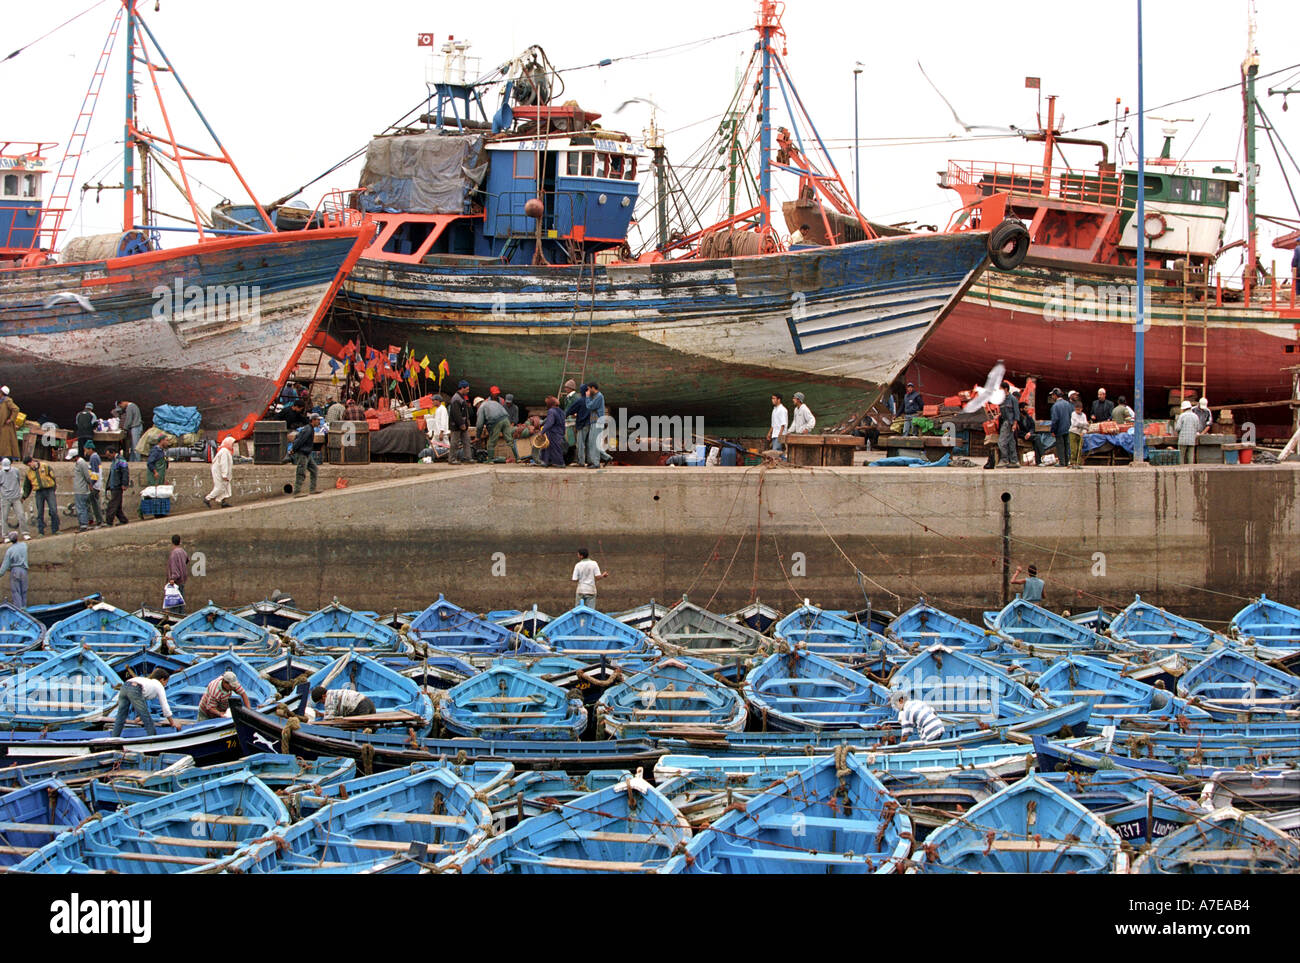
{"x": 216, "y": 698}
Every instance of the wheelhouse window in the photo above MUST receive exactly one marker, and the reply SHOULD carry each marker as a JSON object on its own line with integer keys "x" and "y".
{"x": 1217, "y": 192}
{"x": 11, "y": 185}
{"x": 32, "y": 185}
{"x": 1177, "y": 188}
{"x": 525, "y": 164}
{"x": 588, "y": 163}
{"x": 1195, "y": 190}
{"x": 629, "y": 169}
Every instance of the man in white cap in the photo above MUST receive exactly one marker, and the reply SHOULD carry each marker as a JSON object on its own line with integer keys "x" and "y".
{"x": 8, "y": 424}
{"x": 802, "y": 420}
{"x": 15, "y": 563}
{"x": 1187, "y": 427}
{"x": 216, "y": 698}
{"x": 1204, "y": 414}
{"x": 11, "y": 497}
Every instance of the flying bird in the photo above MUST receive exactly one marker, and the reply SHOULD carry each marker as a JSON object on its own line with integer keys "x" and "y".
{"x": 961, "y": 123}
{"x": 991, "y": 394}
{"x": 63, "y": 297}
{"x": 636, "y": 100}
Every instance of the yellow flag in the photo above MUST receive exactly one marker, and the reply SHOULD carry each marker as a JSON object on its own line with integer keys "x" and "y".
{"x": 424, "y": 362}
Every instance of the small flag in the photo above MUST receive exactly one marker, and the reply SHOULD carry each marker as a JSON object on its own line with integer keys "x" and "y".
{"x": 1033, "y": 83}
{"x": 424, "y": 362}
{"x": 443, "y": 368}
{"x": 424, "y": 40}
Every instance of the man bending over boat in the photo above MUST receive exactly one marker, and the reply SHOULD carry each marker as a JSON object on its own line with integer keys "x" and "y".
{"x": 917, "y": 719}
{"x": 341, "y": 703}
{"x": 136, "y": 694}
{"x": 216, "y": 698}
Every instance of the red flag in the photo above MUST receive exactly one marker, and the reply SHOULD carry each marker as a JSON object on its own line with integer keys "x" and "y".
{"x": 424, "y": 40}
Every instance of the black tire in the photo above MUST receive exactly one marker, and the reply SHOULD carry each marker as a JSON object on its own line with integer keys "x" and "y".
{"x": 1008, "y": 244}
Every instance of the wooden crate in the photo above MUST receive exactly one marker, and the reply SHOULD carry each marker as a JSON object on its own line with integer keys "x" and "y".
{"x": 821, "y": 450}
{"x": 358, "y": 453}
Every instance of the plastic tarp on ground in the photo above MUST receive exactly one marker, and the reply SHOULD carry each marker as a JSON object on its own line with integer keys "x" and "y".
{"x": 177, "y": 419}
{"x": 422, "y": 173}
{"x": 1095, "y": 440}
{"x": 903, "y": 461}
{"x": 399, "y": 438}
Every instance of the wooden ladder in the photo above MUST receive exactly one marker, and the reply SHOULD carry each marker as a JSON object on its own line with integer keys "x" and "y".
{"x": 1193, "y": 368}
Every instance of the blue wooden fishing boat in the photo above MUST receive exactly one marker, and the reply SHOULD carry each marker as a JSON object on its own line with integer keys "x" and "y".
{"x": 957, "y": 683}
{"x": 833, "y": 817}
{"x": 670, "y": 695}
{"x": 68, "y": 690}
{"x": 398, "y": 700}
{"x": 259, "y": 732}
{"x": 529, "y": 623}
{"x": 447, "y": 627}
{"x": 212, "y": 629}
{"x": 430, "y": 816}
{"x": 1029, "y": 827}
{"x": 534, "y": 792}
{"x": 108, "y": 631}
{"x": 1237, "y": 682}
{"x": 55, "y": 612}
{"x": 276, "y": 613}
{"x": 144, "y": 661}
{"x": 1138, "y": 809}
{"x": 628, "y": 827}
{"x": 486, "y": 778}
{"x": 34, "y": 815}
{"x": 687, "y": 629}
{"x": 288, "y": 668}
{"x": 1114, "y": 696}
{"x": 185, "y": 689}
{"x": 1266, "y": 622}
{"x": 923, "y": 625}
{"x": 643, "y": 617}
{"x": 19, "y": 632}
{"x": 503, "y": 702}
{"x": 337, "y": 629}
{"x": 1226, "y": 750}
{"x": 161, "y": 620}
{"x": 756, "y": 616}
{"x": 1224, "y": 841}
{"x": 584, "y": 633}
{"x": 1098, "y": 619}
{"x": 1147, "y": 626}
{"x": 1041, "y": 632}
{"x": 833, "y": 637}
{"x": 193, "y": 830}
{"x": 935, "y": 797}
{"x": 1056, "y": 756}
{"x": 799, "y": 691}
{"x": 434, "y": 671}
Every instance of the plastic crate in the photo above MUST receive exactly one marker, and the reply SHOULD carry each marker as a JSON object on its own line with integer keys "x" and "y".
{"x": 1162, "y": 456}
{"x": 155, "y": 507}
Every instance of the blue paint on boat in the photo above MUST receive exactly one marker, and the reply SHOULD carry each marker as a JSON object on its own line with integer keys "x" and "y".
{"x": 447, "y": 627}
{"x": 954, "y": 682}
{"x": 212, "y": 629}
{"x": 1226, "y": 841}
{"x": 1147, "y": 626}
{"x": 336, "y": 629}
{"x": 667, "y": 696}
{"x": 833, "y": 637}
{"x": 185, "y": 689}
{"x": 505, "y": 702}
{"x": 797, "y": 691}
{"x": 68, "y": 690}
{"x": 19, "y": 631}
{"x": 55, "y": 612}
{"x": 923, "y": 625}
{"x": 1115, "y": 698}
{"x": 1040, "y": 631}
{"x": 1270, "y": 623}
{"x": 48, "y": 803}
{"x": 587, "y": 634}
{"x": 1138, "y": 809}
{"x": 390, "y": 691}
{"x": 1237, "y": 681}
{"x": 107, "y": 630}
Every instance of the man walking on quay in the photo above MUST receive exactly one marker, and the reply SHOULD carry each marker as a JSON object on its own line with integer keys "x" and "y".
{"x": 586, "y": 573}
{"x": 802, "y": 421}
{"x": 15, "y": 563}
{"x": 301, "y": 452}
{"x": 1187, "y": 427}
{"x": 596, "y": 429}
{"x": 1061, "y": 412}
{"x": 119, "y": 477}
{"x": 130, "y": 423}
{"x": 11, "y": 497}
{"x": 178, "y": 571}
{"x": 40, "y": 479}
{"x": 462, "y": 448}
{"x": 82, "y": 487}
{"x": 780, "y": 424}
{"x": 913, "y": 405}
{"x": 155, "y": 467}
{"x": 1009, "y": 413}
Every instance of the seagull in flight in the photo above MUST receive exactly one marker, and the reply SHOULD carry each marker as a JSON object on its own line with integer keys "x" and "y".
{"x": 991, "y": 394}
{"x": 636, "y": 100}
{"x": 63, "y": 297}
{"x": 961, "y": 123}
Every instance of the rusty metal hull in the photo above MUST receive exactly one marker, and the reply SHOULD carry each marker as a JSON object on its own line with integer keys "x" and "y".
{"x": 217, "y": 325}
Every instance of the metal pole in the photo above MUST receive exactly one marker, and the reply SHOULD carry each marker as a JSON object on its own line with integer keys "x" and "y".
{"x": 766, "y": 28}
{"x": 128, "y": 139}
{"x": 1139, "y": 358}
{"x": 857, "y": 155}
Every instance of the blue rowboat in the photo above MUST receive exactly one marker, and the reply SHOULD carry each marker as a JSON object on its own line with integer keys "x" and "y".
{"x": 503, "y": 702}
{"x": 212, "y": 629}
{"x": 144, "y": 661}
{"x": 956, "y": 683}
{"x": 1098, "y": 620}
{"x": 68, "y": 690}
{"x": 486, "y": 778}
{"x": 1265, "y": 622}
{"x": 19, "y": 632}
{"x": 584, "y": 633}
{"x": 398, "y": 700}
{"x": 159, "y": 619}
{"x": 1029, "y": 827}
{"x": 687, "y": 629}
{"x": 434, "y": 670}
{"x": 643, "y": 617}
{"x": 833, "y": 637}
{"x": 193, "y": 830}
{"x": 337, "y": 629}
{"x": 80, "y": 770}
{"x": 923, "y": 625}
{"x": 1237, "y": 682}
{"x": 432, "y": 814}
{"x": 52, "y": 614}
{"x": 1225, "y": 841}
{"x": 107, "y": 630}
{"x": 185, "y": 689}
{"x": 1040, "y": 632}
{"x": 931, "y": 799}
{"x": 670, "y": 695}
{"x": 799, "y": 691}
{"x": 534, "y": 792}
{"x": 287, "y": 671}
{"x": 1138, "y": 809}
{"x": 259, "y": 731}
{"x": 279, "y": 615}
{"x": 629, "y": 827}
{"x": 210, "y": 741}
{"x": 1056, "y": 756}
{"x": 1227, "y": 750}
{"x": 529, "y": 623}
{"x": 447, "y": 627}
{"x": 34, "y": 815}
{"x": 1146, "y": 626}
{"x": 757, "y": 616}
{"x": 833, "y": 817}
{"x": 1114, "y": 696}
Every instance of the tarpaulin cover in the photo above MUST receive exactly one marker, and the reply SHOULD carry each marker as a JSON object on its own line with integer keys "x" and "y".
{"x": 400, "y": 438}
{"x": 422, "y": 173}
{"x": 1095, "y": 440}
{"x": 903, "y": 461}
{"x": 177, "y": 419}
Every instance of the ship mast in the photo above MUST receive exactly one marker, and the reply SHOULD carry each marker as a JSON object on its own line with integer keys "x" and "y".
{"x": 128, "y": 128}
{"x": 768, "y": 26}
{"x": 1249, "y": 71}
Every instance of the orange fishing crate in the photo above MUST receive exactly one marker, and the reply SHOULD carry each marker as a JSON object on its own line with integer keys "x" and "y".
{"x": 930, "y": 411}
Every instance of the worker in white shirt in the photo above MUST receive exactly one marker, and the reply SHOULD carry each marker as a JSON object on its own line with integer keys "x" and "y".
{"x": 917, "y": 719}
{"x": 585, "y": 573}
{"x": 136, "y": 694}
{"x": 439, "y": 428}
{"x": 802, "y": 421}
{"x": 780, "y": 421}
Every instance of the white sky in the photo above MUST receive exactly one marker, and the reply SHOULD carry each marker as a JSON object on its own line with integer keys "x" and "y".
{"x": 294, "y": 87}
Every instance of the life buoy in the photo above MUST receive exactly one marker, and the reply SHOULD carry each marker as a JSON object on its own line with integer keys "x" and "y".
{"x": 1008, "y": 244}
{"x": 1162, "y": 226}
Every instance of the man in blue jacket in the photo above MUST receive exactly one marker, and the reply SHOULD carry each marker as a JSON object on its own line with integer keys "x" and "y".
{"x": 913, "y": 405}
{"x": 581, "y": 419}
{"x": 595, "y": 430}
{"x": 301, "y": 451}
{"x": 1060, "y": 414}
{"x": 1010, "y": 415}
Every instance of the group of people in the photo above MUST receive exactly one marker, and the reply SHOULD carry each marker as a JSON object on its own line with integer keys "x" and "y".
{"x": 1068, "y": 420}
{"x": 784, "y": 424}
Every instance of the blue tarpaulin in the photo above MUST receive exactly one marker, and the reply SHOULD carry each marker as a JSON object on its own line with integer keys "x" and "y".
{"x": 904, "y": 461}
{"x": 177, "y": 419}
{"x": 1095, "y": 440}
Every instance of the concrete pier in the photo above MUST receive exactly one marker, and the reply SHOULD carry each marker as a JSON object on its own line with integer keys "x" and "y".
{"x": 1198, "y": 540}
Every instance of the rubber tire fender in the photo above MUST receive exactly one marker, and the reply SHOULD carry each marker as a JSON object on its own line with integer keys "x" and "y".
{"x": 1004, "y": 256}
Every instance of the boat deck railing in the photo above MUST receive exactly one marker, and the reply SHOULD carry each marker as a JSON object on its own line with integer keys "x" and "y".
{"x": 989, "y": 178}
